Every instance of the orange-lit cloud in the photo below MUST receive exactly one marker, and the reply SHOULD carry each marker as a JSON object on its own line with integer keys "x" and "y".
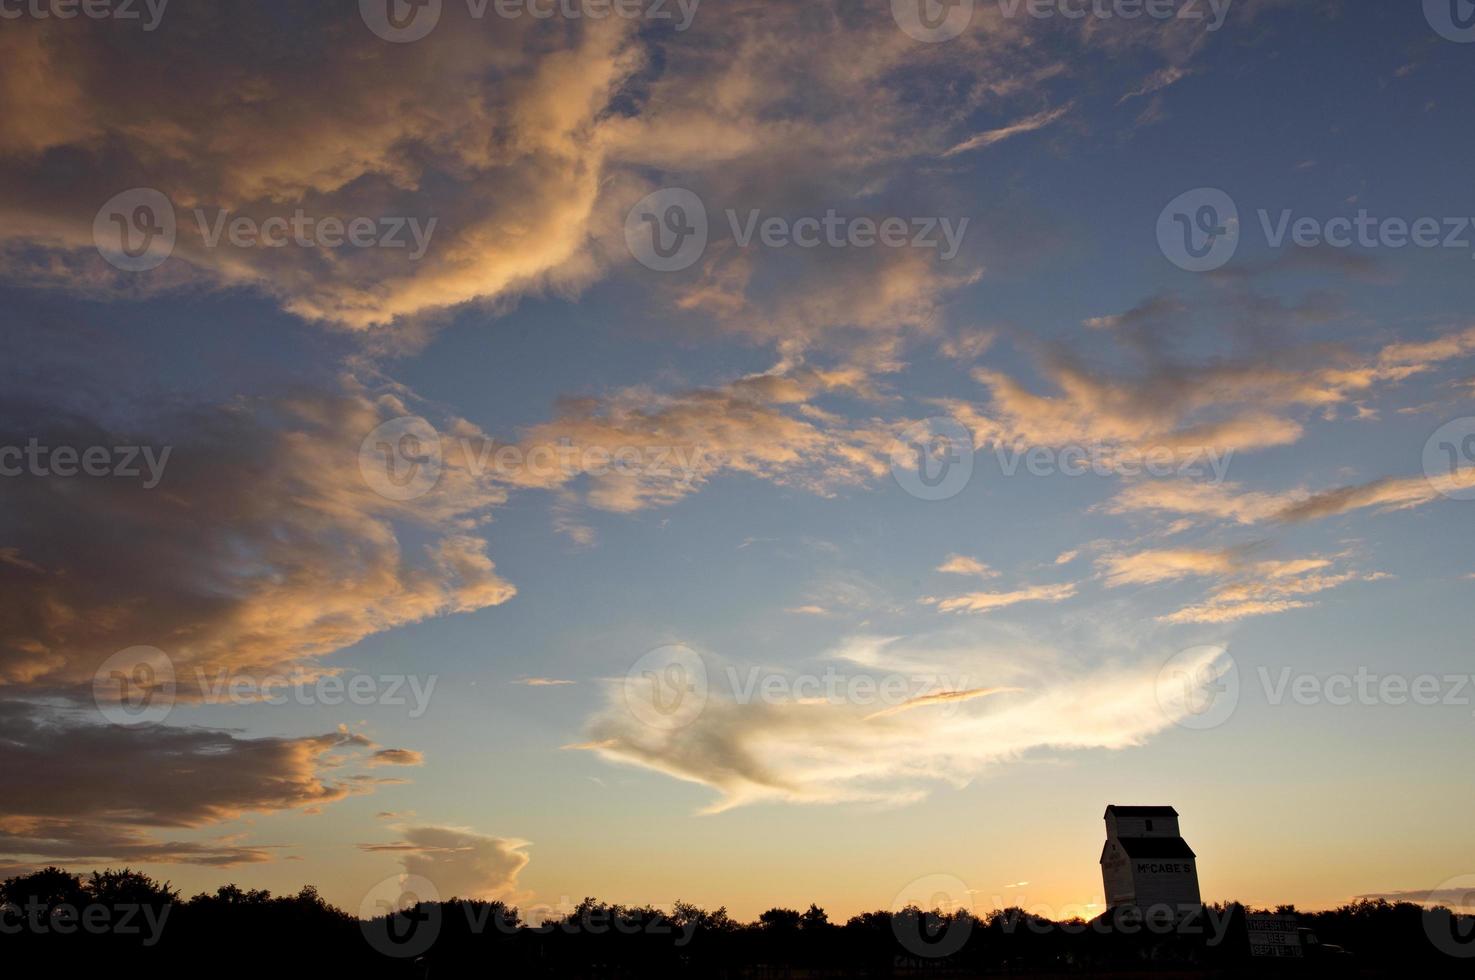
{"x": 458, "y": 862}
{"x": 1247, "y": 587}
{"x": 963, "y": 565}
{"x": 824, "y": 751}
{"x": 266, "y": 547}
{"x": 982, "y": 602}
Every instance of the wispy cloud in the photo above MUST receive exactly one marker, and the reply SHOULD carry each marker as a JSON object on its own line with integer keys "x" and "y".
{"x": 983, "y": 602}
{"x": 942, "y": 697}
{"x": 1157, "y": 81}
{"x": 1248, "y": 587}
{"x": 1230, "y": 501}
{"x": 1028, "y": 124}
{"x": 962, "y": 565}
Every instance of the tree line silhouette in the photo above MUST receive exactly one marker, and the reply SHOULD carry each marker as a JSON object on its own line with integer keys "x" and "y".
{"x": 57, "y": 921}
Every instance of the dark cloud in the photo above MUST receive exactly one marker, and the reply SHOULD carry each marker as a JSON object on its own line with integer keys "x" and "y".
{"x": 261, "y": 547}
{"x": 77, "y": 791}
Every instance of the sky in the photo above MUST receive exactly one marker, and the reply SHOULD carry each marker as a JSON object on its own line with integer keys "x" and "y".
{"x": 749, "y": 453}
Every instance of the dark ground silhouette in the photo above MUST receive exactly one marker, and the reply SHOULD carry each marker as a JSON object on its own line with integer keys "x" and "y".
{"x": 62, "y": 923}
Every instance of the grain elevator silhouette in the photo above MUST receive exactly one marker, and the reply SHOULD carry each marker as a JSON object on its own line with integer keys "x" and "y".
{"x": 1145, "y": 861}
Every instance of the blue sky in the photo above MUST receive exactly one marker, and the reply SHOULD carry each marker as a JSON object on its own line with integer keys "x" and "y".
{"x": 1049, "y": 608}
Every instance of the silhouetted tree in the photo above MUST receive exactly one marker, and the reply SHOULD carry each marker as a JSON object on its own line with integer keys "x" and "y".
{"x": 247, "y": 932}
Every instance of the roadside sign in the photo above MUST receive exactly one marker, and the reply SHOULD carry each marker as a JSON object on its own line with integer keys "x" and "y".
{"x": 1274, "y": 936}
